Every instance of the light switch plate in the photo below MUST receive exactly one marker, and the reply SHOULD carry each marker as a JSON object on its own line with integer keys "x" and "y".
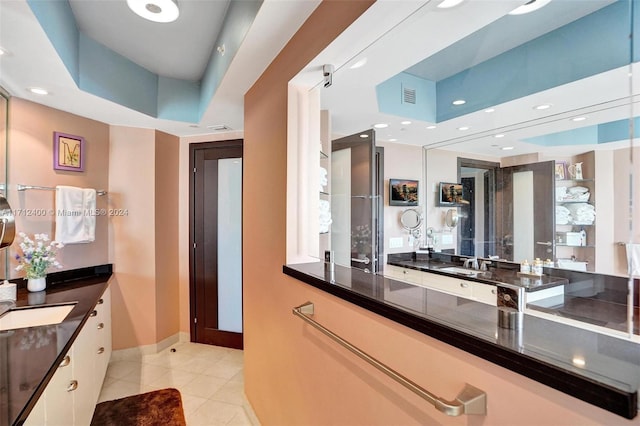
{"x": 395, "y": 242}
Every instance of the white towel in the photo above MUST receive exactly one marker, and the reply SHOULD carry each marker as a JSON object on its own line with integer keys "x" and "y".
{"x": 633, "y": 259}
{"x": 75, "y": 215}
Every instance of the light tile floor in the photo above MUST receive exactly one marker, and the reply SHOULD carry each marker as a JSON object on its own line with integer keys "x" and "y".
{"x": 209, "y": 378}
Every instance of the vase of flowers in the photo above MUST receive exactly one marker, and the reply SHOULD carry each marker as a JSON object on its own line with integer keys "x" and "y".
{"x": 38, "y": 255}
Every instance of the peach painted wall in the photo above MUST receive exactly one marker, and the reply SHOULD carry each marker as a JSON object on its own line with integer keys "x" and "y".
{"x": 183, "y": 212}
{"x": 293, "y": 374}
{"x": 132, "y": 236}
{"x": 30, "y": 154}
{"x": 166, "y": 235}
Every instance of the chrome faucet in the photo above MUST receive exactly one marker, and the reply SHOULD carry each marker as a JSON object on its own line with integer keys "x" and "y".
{"x": 484, "y": 265}
{"x": 471, "y": 263}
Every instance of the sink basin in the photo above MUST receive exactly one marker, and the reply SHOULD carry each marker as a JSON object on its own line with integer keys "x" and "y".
{"x": 34, "y": 316}
{"x": 461, "y": 271}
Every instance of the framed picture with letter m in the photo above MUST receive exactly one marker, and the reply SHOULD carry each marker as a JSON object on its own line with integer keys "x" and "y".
{"x": 68, "y": 152}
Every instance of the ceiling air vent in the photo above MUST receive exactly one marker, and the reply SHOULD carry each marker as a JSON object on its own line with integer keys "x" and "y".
{"x": 408, "y": 96}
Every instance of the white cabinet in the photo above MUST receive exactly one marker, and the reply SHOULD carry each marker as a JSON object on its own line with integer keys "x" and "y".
{"x": 72, "y": 393}
{"x": 450, "y": 285}
{"x": 404, "y": 274}
{"x": 485, "y": 293}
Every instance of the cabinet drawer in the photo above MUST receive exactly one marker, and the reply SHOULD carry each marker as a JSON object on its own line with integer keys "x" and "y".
{"x": 485, "y": 293}
{"x": 449, "y": 285}
{"x": 404, "y": 274}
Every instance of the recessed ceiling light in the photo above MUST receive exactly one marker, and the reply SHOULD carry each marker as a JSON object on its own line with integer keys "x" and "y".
{"x": 359, "y": 63}
{"x": 542, "y": 106}
{"x": 530, "y": 6}
{"x": 405, "y": 122}
{"x": 463, "y": 128}
{"x": 3, "y": 51}
{"x": 155, "y": 10}
{"x": 446, "y": 4}
{"x": 364, "y": 136}
{"x": 499, "y": 135}
{"x": 506, "y": 148}
{"x": 393, "y": 140}
{"x": 380, "y": 125}
{"x": 579, "y": 119}
{"x": 490, "y": 110}
{"x": 578, "y": 361}
{"x": 431, "y": 127}
{"x": 38, "y": 91}
{"x": 459, "y": 102}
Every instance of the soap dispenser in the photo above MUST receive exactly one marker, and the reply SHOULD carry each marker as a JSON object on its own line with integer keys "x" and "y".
{"x": 525, "y": 268}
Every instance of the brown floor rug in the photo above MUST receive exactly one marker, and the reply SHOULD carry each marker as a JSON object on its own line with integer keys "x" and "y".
{"x": 161, "y": 407}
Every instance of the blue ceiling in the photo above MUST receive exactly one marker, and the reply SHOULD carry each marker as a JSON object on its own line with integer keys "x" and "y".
{"x": 102, "y": 72}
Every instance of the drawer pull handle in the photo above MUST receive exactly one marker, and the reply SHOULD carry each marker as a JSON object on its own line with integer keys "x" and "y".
{"x": 100, "y": 350}
{"x": 100, "y": 326}
{"x": 73, "y": 385}
{"x": 93, "y": 313}
{"x": 100, "y": 302}
{"x": 464, "y": 285}
{"x": 65, "y": 361}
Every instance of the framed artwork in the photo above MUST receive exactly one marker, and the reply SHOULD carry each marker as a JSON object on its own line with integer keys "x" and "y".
{"x": 561, "y": 170}
{"x": 403, "y": 192}
{"x": 68, "y": 152}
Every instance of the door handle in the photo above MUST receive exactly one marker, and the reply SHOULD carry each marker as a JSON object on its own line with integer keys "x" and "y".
{"x": 544, "y": 243}
{"x": 366, "y": 260}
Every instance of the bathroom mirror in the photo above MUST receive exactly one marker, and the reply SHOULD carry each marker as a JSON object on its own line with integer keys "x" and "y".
{"x": 556, "y": 93}
{"x": 7, "y": 216}
{"x": 507, "y": 106}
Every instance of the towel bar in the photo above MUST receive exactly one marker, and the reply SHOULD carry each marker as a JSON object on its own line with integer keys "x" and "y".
{"x": 470, "y": 400}
{"x": 48, "y": 188}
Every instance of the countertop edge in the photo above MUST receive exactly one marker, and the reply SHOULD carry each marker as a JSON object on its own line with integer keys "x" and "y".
{"x": 616, "y": 401}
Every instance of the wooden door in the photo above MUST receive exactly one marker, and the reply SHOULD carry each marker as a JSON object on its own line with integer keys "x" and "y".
{"x": 216, "y": 221}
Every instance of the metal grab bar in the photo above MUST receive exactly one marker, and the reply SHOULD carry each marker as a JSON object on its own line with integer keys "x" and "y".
{"x": 470, "y": 400}
{"x": 49, "y": 188}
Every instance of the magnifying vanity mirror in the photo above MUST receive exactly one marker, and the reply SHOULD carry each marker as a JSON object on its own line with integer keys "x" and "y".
{"x": 451, "y": 218}
{"x": 411, "y": 219}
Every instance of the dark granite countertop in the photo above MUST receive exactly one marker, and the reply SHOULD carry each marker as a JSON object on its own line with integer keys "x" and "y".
{"x": 494, "y": 275}
{"x": 599, "y": 369}
{"x": 29, "y": 356}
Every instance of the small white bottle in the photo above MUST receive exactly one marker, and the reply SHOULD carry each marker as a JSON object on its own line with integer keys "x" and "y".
{"x": 525, "y": 268}
{"x": 583, "y": 237}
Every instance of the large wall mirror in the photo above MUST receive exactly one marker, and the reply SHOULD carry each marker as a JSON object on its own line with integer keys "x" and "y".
{"x": 531, "y": 114}
{"x": 4, "y": 133}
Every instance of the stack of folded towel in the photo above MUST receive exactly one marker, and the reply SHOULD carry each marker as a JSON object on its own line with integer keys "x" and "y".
{"x": 582, "y": 213}
{"x": 563, "y": 215}
{"x": 574, "y": 193}
{"x": 325, "y": 216}
{"x": 324, "y": 180}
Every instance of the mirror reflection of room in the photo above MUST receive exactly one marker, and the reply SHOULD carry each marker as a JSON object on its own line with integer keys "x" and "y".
{"x": 525, "y": 141}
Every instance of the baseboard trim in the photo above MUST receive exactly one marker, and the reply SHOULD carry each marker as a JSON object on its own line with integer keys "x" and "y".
{"x": 139, "y": 351}
{"x": 249, "y": 410}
